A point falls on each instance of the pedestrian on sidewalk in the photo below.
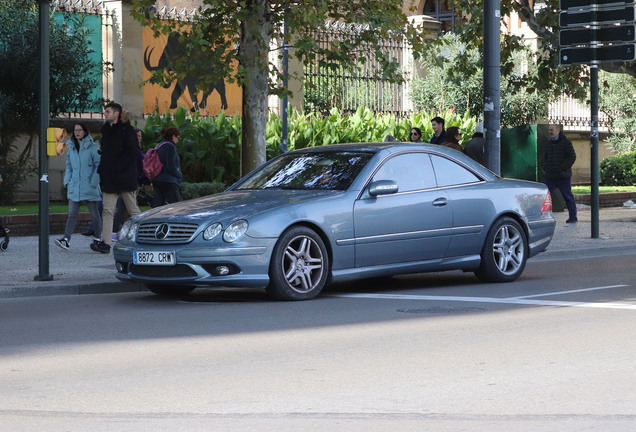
(117, 170)
(452, 138)
(81, 181)
(416, 135)
(475, 147)
(143, 197)
(557, 167)
(439, 133)
(166, 184)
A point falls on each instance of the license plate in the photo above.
(164, 258)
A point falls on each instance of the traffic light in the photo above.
(55, 141)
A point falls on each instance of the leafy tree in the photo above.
(544, 22)
(72, 80)
(239, 32)
(454, 80)
(617, 99)
(616, 80)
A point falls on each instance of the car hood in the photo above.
(231, 205)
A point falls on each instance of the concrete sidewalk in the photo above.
(82, 271)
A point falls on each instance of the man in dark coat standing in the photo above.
(557, 166)
(117, 171)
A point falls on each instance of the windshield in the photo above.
(315, 170)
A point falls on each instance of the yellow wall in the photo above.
(157, 97)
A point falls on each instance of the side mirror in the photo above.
(383, 187)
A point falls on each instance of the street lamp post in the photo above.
(492, 56)
(283, 142)
(43, 274)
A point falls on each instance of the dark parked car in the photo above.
(335, 213)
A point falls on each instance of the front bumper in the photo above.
(231, 266)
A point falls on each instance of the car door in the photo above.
(470, 201)
(411, 225)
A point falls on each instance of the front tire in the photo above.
(299, 265)
(170, 290)
(505, 252)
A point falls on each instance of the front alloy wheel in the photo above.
(299, 265)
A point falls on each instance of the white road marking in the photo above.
(510, 300)
(572, 291)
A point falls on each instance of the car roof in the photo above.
(373, 147)
(395, 147)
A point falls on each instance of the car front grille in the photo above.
(166, 232)
(180, 270)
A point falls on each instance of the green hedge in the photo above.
(210, 147)
(196, 190)
(619, 170)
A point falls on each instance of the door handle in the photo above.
(440, 202)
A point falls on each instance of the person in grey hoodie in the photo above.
(81, 181)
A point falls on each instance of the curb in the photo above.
(568, 254)
(42, 289)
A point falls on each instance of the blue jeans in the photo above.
(73, 211)
(564, 185)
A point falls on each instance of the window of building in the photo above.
(440, 10)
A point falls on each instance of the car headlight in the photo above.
(128, 230)
(212, 231)
(235, 231)
(133, 231)
(125, 228)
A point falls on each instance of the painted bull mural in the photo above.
(175, 49)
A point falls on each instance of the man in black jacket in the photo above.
(117, 171)
(439, 133)
(557, 166)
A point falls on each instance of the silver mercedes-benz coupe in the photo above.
(327, 214)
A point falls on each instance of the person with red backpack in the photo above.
(166, 183)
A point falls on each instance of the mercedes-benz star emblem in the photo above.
(162, 231)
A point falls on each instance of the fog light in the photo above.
(222, 270)
(120, 268)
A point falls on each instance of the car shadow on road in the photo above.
(427, 281)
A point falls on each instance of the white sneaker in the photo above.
(63, 243)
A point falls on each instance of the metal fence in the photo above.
(347, 89)
(575, 116)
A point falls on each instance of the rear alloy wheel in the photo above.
(170, 290)
(299, 265)
(505, 252)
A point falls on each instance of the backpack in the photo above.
(152, 163)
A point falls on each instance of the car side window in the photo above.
(411, 171)
(449, 173)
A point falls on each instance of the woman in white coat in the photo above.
(81, 181)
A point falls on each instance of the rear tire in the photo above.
(299, 265)
(505, 252)
(170, 290)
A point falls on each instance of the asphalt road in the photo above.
(436, 352)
